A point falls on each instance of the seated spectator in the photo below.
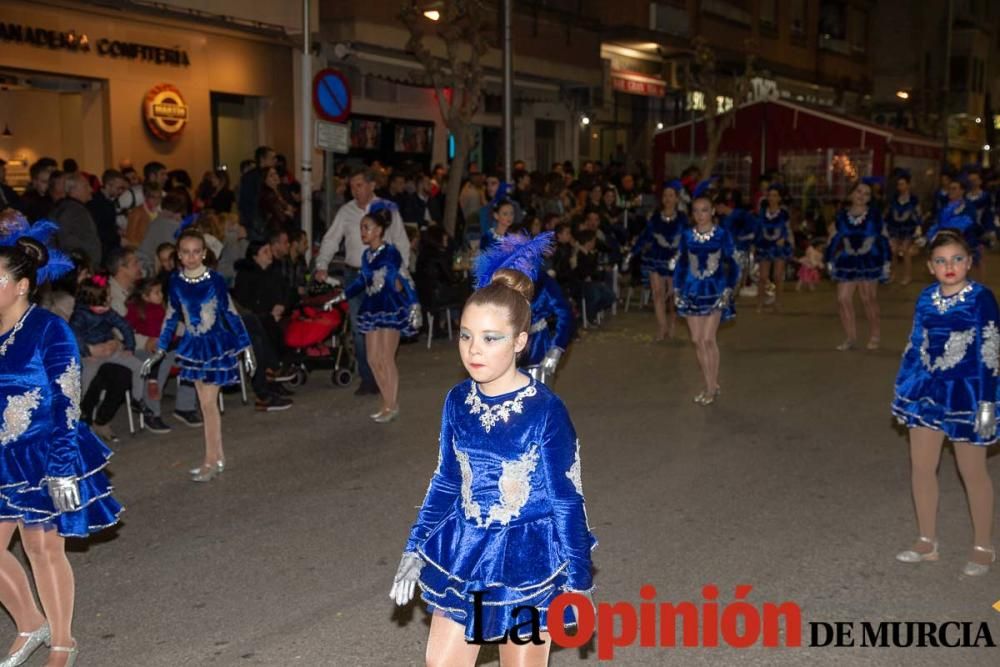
(95, 324)
(257, 290)
(234, 247)
(163, 229)
(142, 215)
(593, 290)
(437, 284)
(36, 201)
(297, 248)
(213, 229)
(562, 259)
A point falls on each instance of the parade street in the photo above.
(796, 482)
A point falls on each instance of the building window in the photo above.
(857, 30)
(769, 17)
(959, 73)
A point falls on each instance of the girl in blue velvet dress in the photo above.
(547, 342)
(390, 308)
(859, 258)
(773, 244)
(504, 513)
(210, 349)
(51, 480)
(657, 247)
(704, 282)
(947, 388)
(902, 217)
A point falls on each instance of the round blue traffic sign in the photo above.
(331, 96)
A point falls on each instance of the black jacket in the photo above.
(257, 290)
(105, 216)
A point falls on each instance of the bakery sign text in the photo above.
(81, 43)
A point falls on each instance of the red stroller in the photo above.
(319, 339)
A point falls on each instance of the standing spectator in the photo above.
(214, 192)
(162, 229)
(152, 172)
(36, 202)
(346, 228)
(471, 199)
(104, 211)
(8, 198)
(143, 214)
(77, 230)
(274, 211)
(249, 193)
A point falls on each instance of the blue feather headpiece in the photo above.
(516, 252)
(185, 223)
(702, 188)
(381, 205)
(501, 194)
(14, 226)
(674, 185)
(873, 180)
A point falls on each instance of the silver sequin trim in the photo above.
(69, 384)
(990, 350)
(662, 241)
(470, 506)
(515, 488)
(954, 350)
(206, 317)
(574, 471)
(378, 282)
(17, 414)
(489, 415)
(865, 248)
(702, 237)
(711, 264)
(944, 303)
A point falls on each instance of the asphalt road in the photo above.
(795, 482)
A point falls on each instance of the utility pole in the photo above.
(508, 95)
(305, 177)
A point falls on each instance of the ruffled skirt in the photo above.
(902, 231)
(703, 297)
(513, 566)
(24, 495)
(659, 260)
(213, 358)
(388, 309)
(942, 404)
(857, 268)
(770, 252)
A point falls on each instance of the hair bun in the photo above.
(516, 281)
(35, 251)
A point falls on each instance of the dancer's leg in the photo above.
(697, 326)
(658, 288)
(845, 306)
(46, 551)
(868, 290)
(389, 344)
(15, 590)
(712, 349)
(905, 246)
(763, 278)
(925, 454)
(526, 655)
(979, 490)
(894, 245)
(671, 308)
(373, 348)
(446, 645)
(208, 397)
(779, 281)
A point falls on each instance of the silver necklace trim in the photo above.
(855, 221)
(14, 330)
(489, 415)
(701, 237)
(197, 279)
(944, 303)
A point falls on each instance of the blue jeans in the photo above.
(364, 370)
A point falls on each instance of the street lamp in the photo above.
(659, 126)
(979, 120)
(585, 120)
(902, 94)
(433, 15)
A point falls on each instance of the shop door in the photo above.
(235, 130)
(545, 143)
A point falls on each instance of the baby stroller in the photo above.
(319, 339)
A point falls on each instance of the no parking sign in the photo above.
(331, 96)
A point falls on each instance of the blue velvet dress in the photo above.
(859, 249)
(548, 304)
(984, 213)
(214, 334)
(903, 218)
(706, 269)
(657, 245)
(383, 306)
(504, 512)
(951, 362)
(962, 220)
(773, 241)
(42, 435)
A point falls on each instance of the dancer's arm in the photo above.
(560, 457)
(62, 370)
(988, 349)
(444, 487)
(172, 318)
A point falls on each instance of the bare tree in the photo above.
(457, 78)
(704, 76)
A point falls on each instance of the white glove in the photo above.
(587, 594)
(328, 306)
(416, 316)
(551, 360)
(626, 263)
(404, 584)
(249, 361)
(147, 366)
(986, 420)
(64, 492)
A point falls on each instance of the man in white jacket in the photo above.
(346, 228)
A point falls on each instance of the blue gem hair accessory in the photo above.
(674, 185)
(501, 195)
(381, 205)
(14, 226)
(185, 223)
(514, 251)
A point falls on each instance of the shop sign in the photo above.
(635, 83)
(80, 43)
(165, 112)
